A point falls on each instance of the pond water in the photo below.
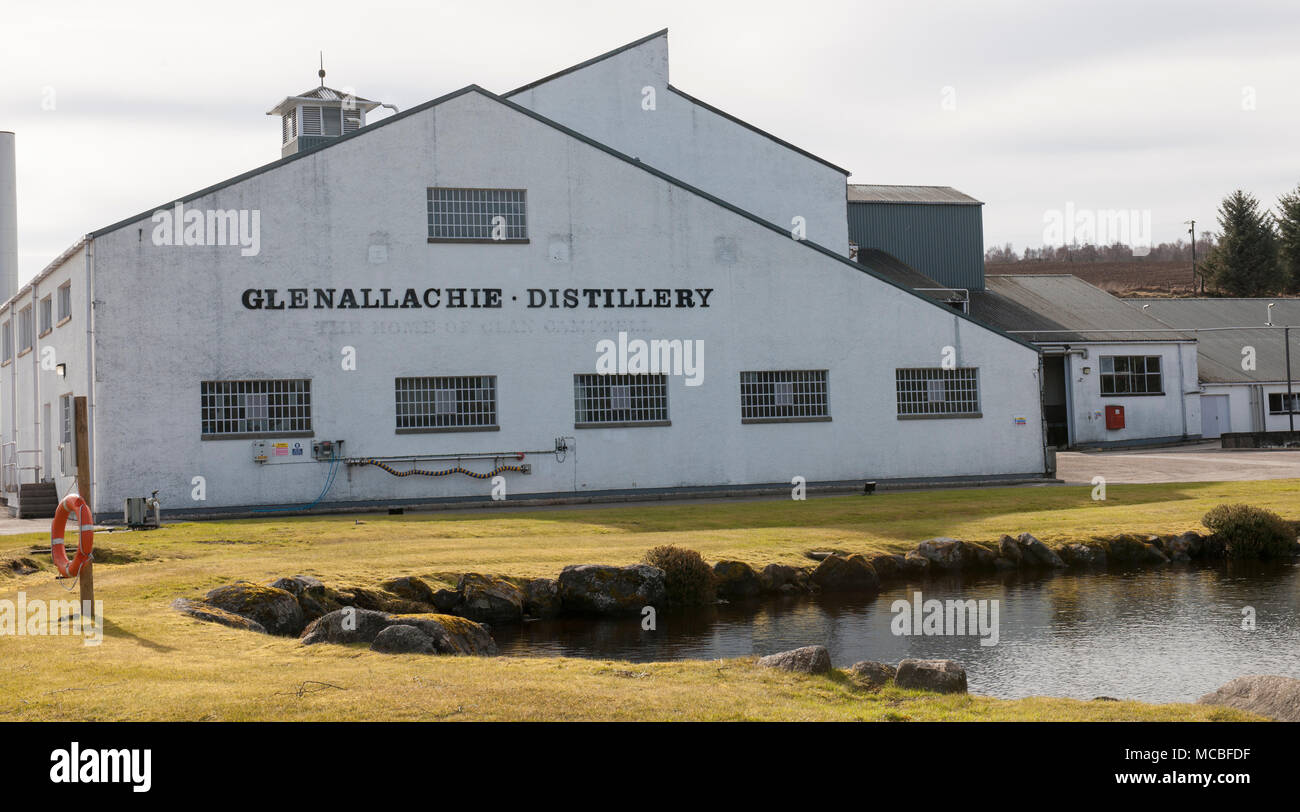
(1158, 635)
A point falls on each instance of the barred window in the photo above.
(232, 409)
(65, 301)
(462, 403)
(474, 215)
(620, 400)
(783, 395)
(1131, 375)
(936, 392)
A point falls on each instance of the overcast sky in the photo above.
(1161, 106)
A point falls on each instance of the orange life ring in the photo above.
(85, 544)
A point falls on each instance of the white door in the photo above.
(1214, 416)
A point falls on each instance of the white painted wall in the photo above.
(604, 101)
(1146, 416)
(170, 317)
(26, 387)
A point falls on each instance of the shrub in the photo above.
(1251, 532)
(688, 579)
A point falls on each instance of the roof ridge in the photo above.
(861, 268)
(585, 63)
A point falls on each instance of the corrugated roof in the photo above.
(1219, 352)
(1052, 308)
(925, 195)
(321, 93)
(891, 267)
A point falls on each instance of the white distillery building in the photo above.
(430, 291)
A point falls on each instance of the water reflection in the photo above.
(1158, 635)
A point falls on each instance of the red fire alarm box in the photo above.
(1114, 417)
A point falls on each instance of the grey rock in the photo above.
(608, 590)
(1082, 555)
(276, 610)
(489, 599)
(872, 673)
(409, 587)
(211, 614)
(775, 577)
(736, 580)
(941, 676)
(1010, 550)
(1034, 553)
(889, 567)
(445, 600)
(347, 625)
(402, 639)
(542, 597)
(915, 565)
(806, 660)
(1271, 696)
(837, 573)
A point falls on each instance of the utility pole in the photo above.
(1192, 231)
(1290, 405)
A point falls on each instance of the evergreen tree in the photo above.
(1245, 262)
(1288, 226)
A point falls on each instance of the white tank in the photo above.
(8, 218)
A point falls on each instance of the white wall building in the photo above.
(432, 290)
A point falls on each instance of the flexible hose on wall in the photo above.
(444, 472)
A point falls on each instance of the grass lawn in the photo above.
(157, 664)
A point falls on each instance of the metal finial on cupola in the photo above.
(321, 72)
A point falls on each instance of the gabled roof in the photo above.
(1219, 350)
(890, 266)
(921, 195)
(1059, 308)
(321, 94)
(663, 33)
(364, 131)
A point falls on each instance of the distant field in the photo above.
(1136, 278)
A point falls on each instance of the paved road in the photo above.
(1198, 462)
(9, 527)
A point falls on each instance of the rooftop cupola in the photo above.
(310, 119)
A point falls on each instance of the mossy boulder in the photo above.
(1034, 553)
(410, 588)
(18, 566)
(211, 614)
(806, 660)
(380, 600)
(1128, 548)
(736, 580)
(276, 610)
(782, 578)
(940, 676)
(402, 639)
(607, 590)
(889, 567)
(915, 565)
(314, 597)
(838, 573)
(448, 634)
(542, 597)
(872, 673)
(951, 555)
(489, 599)
(1083, 555)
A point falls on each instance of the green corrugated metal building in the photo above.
(936, 230)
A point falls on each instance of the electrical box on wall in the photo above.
(1114, 417)
(259, 451)
(327, 450)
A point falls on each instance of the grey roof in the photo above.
(322, 93)
(891, 267)
(1055, 308)
(925, 195)
(1219, 352)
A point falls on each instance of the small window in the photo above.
(351, 120)
(25, 337)
(459, 403)
(620, 400)
(937, 392)
(47, 315)
(8, 349)
(784, 396)
(65, 419)
(1131, 375)
(234, 409)
(1278, 401)
(332, 118)
(65, 302)
(478, 215)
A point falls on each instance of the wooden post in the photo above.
(82, 433)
